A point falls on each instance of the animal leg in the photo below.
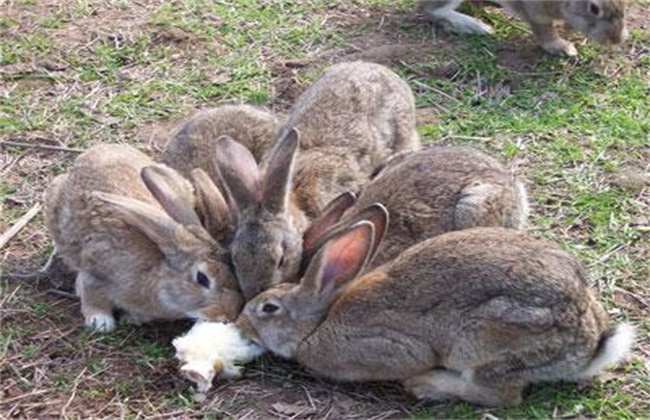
(441, 384)
(445, 12)
(96, 308)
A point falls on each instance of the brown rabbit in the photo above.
(437, 190)
(351, 119)
(602, 20)
(148, 256)
(475, 314)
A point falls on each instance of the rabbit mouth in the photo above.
(246, 328)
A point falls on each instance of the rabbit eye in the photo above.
(270, 308)
(202, 279)
(594, 9)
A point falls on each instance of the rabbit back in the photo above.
(441, 189)
(363, 107)
(72, 211)
(193, 143)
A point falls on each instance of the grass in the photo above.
(79, 73)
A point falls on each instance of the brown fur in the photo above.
(193, 143)
(350, 120)
(130, 253)
(440, 189)
(475, 314)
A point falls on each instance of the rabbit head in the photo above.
(267, 246)
(282, 317)
(194, 277)
(602, 20)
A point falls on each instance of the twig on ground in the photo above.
(57, 292)
(435, 90)
(459, 137)
(75, 386)
(34, 275)
(634, 296)
(23, 396)
(21, 223)
(10, 143)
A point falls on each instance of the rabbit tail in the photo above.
(614, 344)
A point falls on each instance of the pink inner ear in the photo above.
(346, 256)
(328, 218)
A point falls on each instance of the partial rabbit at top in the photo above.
(429, 192)
(193, 144)
(475, 314)
(348, 122)
(602, 20)
(148, 256)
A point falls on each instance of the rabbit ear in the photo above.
(376, 214)
(166, 185)
(277, 174)
(239, 170)
(340, 260)
(150, 220)
(212, 206)
(326, 220)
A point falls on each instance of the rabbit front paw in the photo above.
(560, 47)
(424, 388)
(101, 322)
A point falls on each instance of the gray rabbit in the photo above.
(602, 20)
(128, 226)
(475, 314)
(427, 193)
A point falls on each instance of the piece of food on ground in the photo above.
(211, 349)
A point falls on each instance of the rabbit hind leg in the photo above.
(443, 11)
(96, 308)
(439, 384)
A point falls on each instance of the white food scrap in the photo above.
(211, 348)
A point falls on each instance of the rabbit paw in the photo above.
(453, 21)
(101, 322)
(560, 47)
(423, 388)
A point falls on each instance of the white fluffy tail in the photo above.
(616, 344)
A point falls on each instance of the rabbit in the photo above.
(128, 227)
(475, 314)
(601, 20)
(342, 127)
(193, 143)
(350, 121)
(436, 190)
